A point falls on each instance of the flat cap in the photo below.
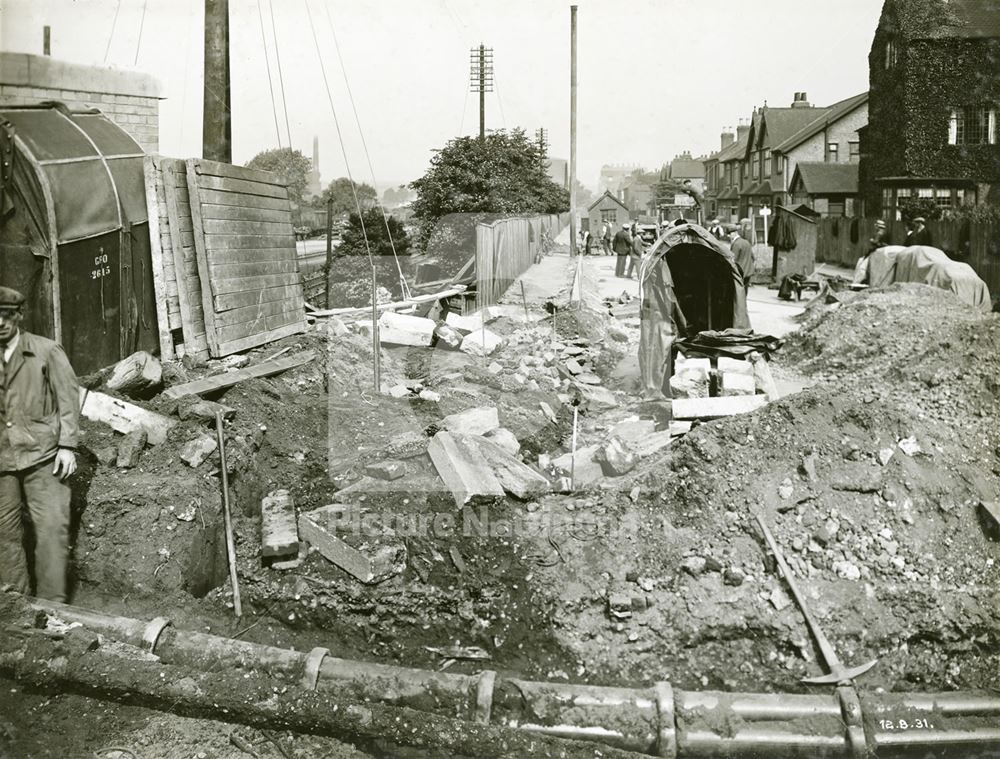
(10, 298)
(920, 220)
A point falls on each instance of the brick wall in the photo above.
(129, 98)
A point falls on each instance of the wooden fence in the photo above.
(843, 241)
(506, 248)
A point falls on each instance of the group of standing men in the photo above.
(629, 248)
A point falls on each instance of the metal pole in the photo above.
(572, 131)
(482, 92)
(46, 40)
(376, 347)
(227, 517)
(216, 132)
(329, 250)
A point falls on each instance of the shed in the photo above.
(74, 234)
(607, 208)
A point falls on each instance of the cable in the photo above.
(270, 81)
(114, 23)
(461, 128)
(281, 78)
(404, 288)
(340, 137)
(138, 42)
(496, 89)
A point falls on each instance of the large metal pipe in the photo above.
(657, 720)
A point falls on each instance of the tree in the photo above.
(472, 180)
(339, 191)
(351, 281)
(293, 167)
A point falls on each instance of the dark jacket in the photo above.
(623, 243)
(39, 404)
(923, 237)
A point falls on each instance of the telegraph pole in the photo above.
(572, 130)
(541, 136)
(481, 80)
(216, 131)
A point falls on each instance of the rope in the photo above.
(114, 23)
(270, 81)
(281, 78)
(340, 138)
(404, 288)
(138, 42)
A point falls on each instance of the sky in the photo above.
(655, 77)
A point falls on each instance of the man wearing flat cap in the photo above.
(39, 428)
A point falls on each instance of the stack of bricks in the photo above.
(129, 98)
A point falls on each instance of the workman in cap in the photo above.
(39, 429)
(622, 246)
(742, 251)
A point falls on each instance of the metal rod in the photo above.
(524, 300)
(329, 250)
(376, 347)
(227, 517)
(572, 460)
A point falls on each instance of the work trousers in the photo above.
(633, 264)
(620, 264)
(48, 505)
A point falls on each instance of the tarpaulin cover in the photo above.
(689, 283)
(77, 153)
(929, 266)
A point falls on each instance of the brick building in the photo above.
(129, 98)
(934, 105)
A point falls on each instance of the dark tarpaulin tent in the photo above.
(74, 232)
(689, 283)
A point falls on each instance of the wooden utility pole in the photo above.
(481, 80)
(572, 130)
(216, 131)
(329, 245)
(46, 40)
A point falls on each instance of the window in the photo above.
(609, 216)
(779, 163)
(854, 151)
(767, 163)
(832, 149)
(755, 166)
(972, 125)
(729, 175)
(836, 208)
(942, 197)
(925, 193)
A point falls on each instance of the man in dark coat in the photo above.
(635, 256)
(39, 429)
(918, 234)
(743, 253)
(622, 246)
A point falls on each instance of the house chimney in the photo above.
(728, 138)
(800, 101)
(741, 129)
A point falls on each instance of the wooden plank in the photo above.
(150, 171)
(253, 341)
(228, 379)
(254, 282)
(247, 255)
(762, 372)
(370, 560)
(244, 213)
(254, 268)
(231, 241)
(241, 186)
(239, 300)
(222, 198)
(123, 416)
(192, 325)
(202, 257)
(351, 311)
(244, 227)
(716, 408)
(264, 323)
(206, 167)
(249, 313)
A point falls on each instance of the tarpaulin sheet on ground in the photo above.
(689, 284)
(929, 266)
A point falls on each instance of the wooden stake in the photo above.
(572, 460)
(524, 300)
(228, 518)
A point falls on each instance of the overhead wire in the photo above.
(270, 79)
(340, 136)
(281, 78)
(404, 287)
(138, 42)
(114, 24)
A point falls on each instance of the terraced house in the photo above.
(935, 96)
